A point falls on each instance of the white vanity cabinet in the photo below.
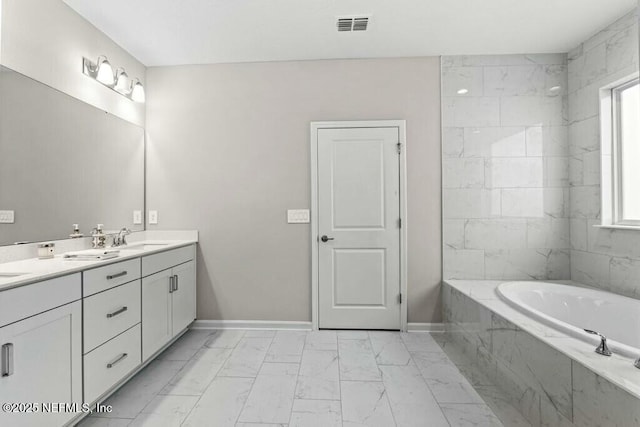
(41, 355)
(168, 297)
(111, 320)
(74, 339)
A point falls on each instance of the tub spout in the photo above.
(603, 348)
(637, 363)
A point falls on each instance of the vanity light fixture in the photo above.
(101, 70)
(119, 81)
(463, 91)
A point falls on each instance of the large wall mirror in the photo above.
(64, 162)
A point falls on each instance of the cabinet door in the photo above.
(184, 296)
(156, 312)
(42, 363)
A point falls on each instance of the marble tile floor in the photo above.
(293, 378)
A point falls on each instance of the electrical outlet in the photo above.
(298, 216)
(7, 217)
(153, 217)
(137, 217)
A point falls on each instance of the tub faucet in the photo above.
(603, 348)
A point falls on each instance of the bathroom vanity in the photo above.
(74, 331)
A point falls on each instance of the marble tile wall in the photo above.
(547, 387)
(505, 167)
(609, 259)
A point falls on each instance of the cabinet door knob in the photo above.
(171, 284)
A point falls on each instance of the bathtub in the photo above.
(571, 309)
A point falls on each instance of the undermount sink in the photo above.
(143, 246)
(10, 275)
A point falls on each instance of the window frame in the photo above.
(617, 151)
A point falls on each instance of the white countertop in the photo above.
(617, 369)
(35, 270)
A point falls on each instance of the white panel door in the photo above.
(359, 230)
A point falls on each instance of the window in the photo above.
(627, 150)
(620, 129)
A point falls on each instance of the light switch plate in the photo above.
(153, 217)
(7, 217)
(298, 216)
(137, 217)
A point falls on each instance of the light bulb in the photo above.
(122, 81)
(137, 91)
(104, 73)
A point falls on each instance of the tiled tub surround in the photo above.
(604, 258)
(505, 167)
(553, 379)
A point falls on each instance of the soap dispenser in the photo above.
(99, 238)
(76, 232)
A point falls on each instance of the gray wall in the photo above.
(606, 258)
(228, 154)
(505, 167)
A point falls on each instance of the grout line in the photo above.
(340, 378)
(384, 386)
(295, 389)
(428, 387)
(244, 404)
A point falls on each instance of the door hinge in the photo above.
(399, 222)
(399, 147)
(400, 298)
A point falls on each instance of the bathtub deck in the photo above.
(554, 379)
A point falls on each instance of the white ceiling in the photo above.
(172, 32)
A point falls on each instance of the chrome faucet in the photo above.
(120, 238)
(603, 348)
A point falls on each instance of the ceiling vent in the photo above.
(352, 23)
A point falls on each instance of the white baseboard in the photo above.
(251, 324)
(426, 327)
(293, 326)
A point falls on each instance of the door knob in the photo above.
(326, 239)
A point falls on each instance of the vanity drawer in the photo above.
(108, 364)
(109, 313)
(161, 261)
(28, 300)
(103, 278)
